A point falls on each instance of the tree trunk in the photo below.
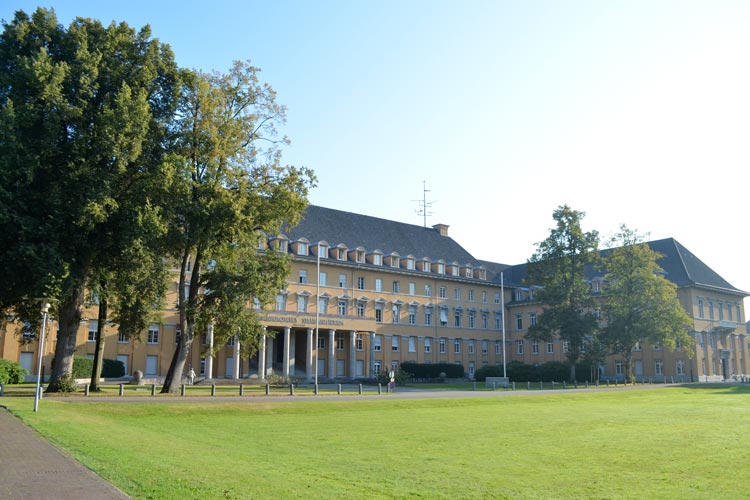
(173, 379)
(69, 319)
(96, 371)
(628, 368)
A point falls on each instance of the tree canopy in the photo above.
(558, 268)
(85, 117)
(641, 304)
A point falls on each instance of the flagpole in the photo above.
(317, 319)
(502, 301)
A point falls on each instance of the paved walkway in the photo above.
(32, 468)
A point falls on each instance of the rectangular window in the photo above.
(396, 287)
(442, 346)
(340, 342)
(534, 347)
(532, 319)
(659, 367)
(519, 321)
(360, 309)
(321, 342)
(394, 343)
(484, 297)
(361, 283)
(412, 344)
(378, 285)
(566, 346)
(720, 307)
(457, 346)
(700, 308)
(550, 348)
(93, 325)
(498, 321)
(323, 279)
(412, 315)
(497, 298)
(519, 346)
(619, 368)
(360, 342)
(342, 307)
(153, 334)
(396, 313)
(472, 319)
(729, 311)
(342, 280)
(471, 295)
(428, 291)
(471, 347)
(302, 276)
(442, 292)
(177, 335)
(281, 302)
(412, 289)
(710, 309)
(377, 368)
(427, 345)
(497, 348)
(302, 303)
(443, 316)
(680, 367)
(377, 346)
(457, 293)
(377, 259)
(457, 319)
(121, 338)
(323, 305)
(152, 365)
(378, 314)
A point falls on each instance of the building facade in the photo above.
(365, 295)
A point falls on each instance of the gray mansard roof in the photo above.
(681, 266)
(371, 233)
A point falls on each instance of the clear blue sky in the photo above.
(634, 112)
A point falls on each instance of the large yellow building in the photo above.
(376, 293)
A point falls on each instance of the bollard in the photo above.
(528, 386)
(493, 385)
(380, 389)
(475, 385)
(316, 389)
(85, 390)
(587, 384)
(553, 385)
(242, 389)
(339, 389)
(514, 386)
(213, 389)
(291, 389)
(575, 384)
(360, 389)
(268, 389)
(541, 385)
(122, 389)
(607, 382)
(615, 382)
(2, 389)
(565, 386)
(153, 389)
(182, 390)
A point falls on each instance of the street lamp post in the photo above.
(45, 310)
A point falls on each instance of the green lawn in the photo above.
(679, 443)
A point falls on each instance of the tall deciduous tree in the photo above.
(559, 267)
(229, 192)
(84, 124)
(641, 304)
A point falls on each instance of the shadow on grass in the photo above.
(728, 387)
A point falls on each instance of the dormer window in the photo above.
(469, 272)
(377, 259)
(596, 286)
(321, 250)
(357, 255)
(340, 252)
(454, 270)
(394, 260)
(519, 295)
(426, 265)
(302, 249)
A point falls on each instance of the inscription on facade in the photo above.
(305, 320)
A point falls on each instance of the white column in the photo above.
(352, 354)
(269, 358)
(309, 354)
(292, 353)
(286, 352)
(209, 353)
(262, 356)
(371, 366)
(331, 372)
(236, 356)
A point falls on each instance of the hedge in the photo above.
(11, 372)
(433, 370)
(521, 372)
(111, 368)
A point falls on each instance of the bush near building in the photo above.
(521, 372)
(433, 370)
(11, 372)
(111, 368)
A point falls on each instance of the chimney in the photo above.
(441, 228)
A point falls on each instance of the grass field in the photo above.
(681, 443)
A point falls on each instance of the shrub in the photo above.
(11, 372)
(488, 371)
(554, 370)
(67, 384)
(432, 370)
(83, 367)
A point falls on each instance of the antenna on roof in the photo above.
(424, 205)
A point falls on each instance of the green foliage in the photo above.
(83, 366)
(641, 304)
(551, 371)
(481, 374)
(559, 267)
(432, 370)
(11, 372)
(67, 384)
